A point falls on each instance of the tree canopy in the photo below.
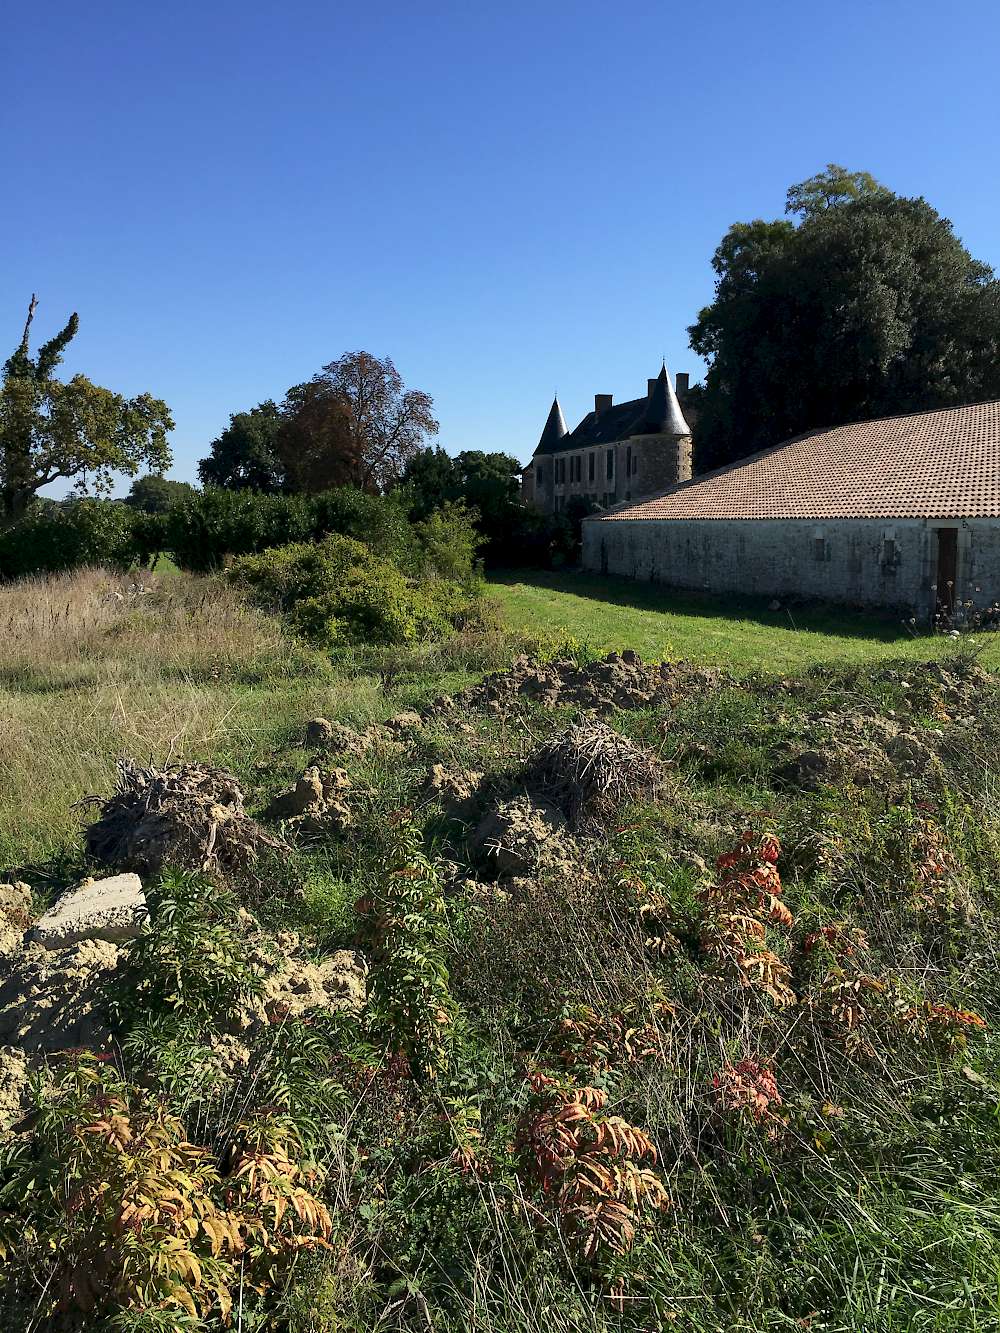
(352, 424)
(78, 431)
(154, 494)
(870, 306)
(244, 456)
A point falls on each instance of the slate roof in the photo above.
(664, 414)
(939, 464)
(554, 429)
(615, 423)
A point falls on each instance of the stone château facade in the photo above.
(617, 453)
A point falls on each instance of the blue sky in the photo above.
(506, 199)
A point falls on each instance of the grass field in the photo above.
(608, 613)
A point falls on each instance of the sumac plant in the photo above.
(595, 1170)
(736, 913)
(404, 929)
(133, 1216)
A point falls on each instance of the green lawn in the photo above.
(608, 613)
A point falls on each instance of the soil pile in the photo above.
(456, 789)
(520, 836)
(315, 804)
(618, 681)
(336, 738)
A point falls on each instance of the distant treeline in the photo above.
(202, 530)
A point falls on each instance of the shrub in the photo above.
(206, 528)
(189, 960)
(203, 530)
(53, 538)
(449, 541)
(336, 591)
(404, 927)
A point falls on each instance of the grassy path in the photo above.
(610, 613)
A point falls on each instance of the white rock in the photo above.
(105, 909)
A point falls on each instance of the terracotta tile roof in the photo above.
(939, 464)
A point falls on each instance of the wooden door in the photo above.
(947, 567)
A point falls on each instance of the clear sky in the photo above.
(504, 198)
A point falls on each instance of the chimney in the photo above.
(683, 379)
(602, 401)
(650, 386)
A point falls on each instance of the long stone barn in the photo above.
(902, 512)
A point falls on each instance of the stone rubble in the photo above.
(112, 909)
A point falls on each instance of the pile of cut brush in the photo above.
(590, 766)
(189, 816)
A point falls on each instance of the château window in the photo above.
(628, 461)
(611, 464)
(590, 467)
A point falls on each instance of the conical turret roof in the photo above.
(664, 415)
(555, 429)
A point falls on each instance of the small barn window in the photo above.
(819, 544)
(889, 547)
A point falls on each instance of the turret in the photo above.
(664, 415)
(555, 429)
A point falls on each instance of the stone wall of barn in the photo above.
(861, 562)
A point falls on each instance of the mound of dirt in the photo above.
(336, 738)
(53, 999)
(15, 917)
(858, 746)
(456, 789)
(589, 766)
(14, 1066)
(293, 985)
(188, 816)
(315, 804)
(519, 836)
(403, 724)
(618, 681)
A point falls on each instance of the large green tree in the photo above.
(868, 306)
(244, 456)
(76, 431)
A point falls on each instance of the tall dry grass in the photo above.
(94, 666)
